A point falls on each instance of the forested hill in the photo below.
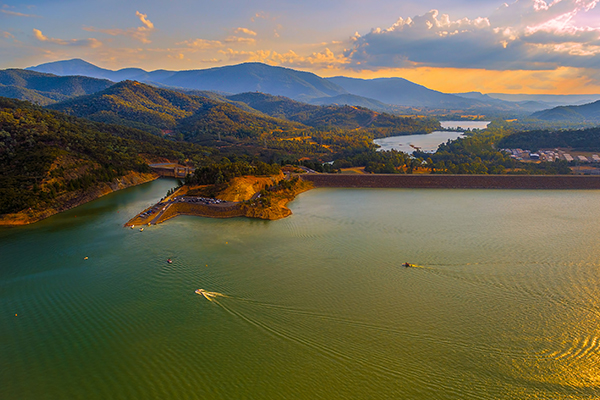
(45, 155)
(342, 117)
(195, 118)
(46, 89)
(576, 139)
(584, 113)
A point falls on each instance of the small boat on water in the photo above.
(132, 226)
(141, 229)
(169, 261)
(408, 265)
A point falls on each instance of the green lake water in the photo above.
(505, 303)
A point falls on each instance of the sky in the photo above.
(523, 46)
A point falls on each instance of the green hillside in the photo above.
(46, 89)
(44, 154)
(277, 129)
(333, 116)
(217, 97)
(223, 120)
(194, 118)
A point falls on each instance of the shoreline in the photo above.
(72, 200)
(247, 203)
(280, 210)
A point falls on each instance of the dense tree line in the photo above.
(224, 171)
(576, 139)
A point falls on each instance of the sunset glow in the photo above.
(527, 46)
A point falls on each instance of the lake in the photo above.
(503, 303)
(428, 142)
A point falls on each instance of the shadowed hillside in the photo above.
(333, 116)
(46, 88)
(584, 113)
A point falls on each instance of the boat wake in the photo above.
(210, 296)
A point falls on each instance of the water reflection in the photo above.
(428, 142)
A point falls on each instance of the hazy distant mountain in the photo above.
(525, 106)
(401, 92)
(84, 68)
(480, 97)
(72, 67)
(45, 88)
(382, 94)
(550, 100)
(248, 77)
(583, 113)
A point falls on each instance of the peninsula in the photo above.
(262, 197)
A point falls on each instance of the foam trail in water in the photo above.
(210, 296)
(322, 347)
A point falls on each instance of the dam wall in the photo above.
(434, 181)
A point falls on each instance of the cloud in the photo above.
(262, 15)
(91, 42)
(325, 59)
(144, 18)
(202, 44)
(237, 39)
(8, 35)
(244, 31)
(527, 35)
(18, 14)
(140, 33)
(179, 56)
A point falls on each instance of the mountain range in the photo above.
(59, 81)
(203, 120)
(382, 94)
(248, 77)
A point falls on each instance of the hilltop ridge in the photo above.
(383, 94)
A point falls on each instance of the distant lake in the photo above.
(428, 142)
